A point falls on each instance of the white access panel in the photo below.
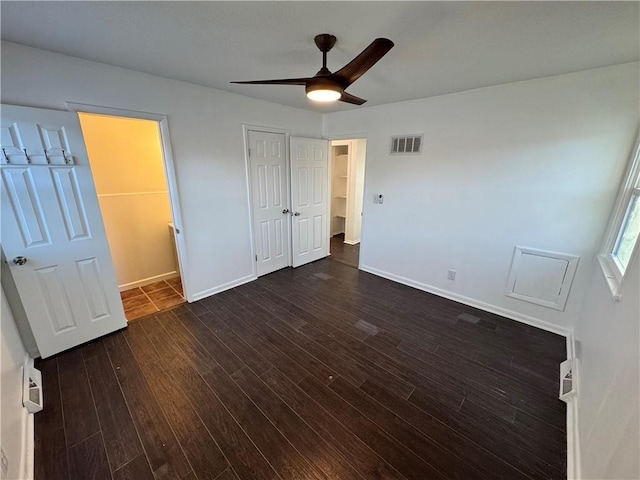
(541, 277)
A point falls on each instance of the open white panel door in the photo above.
(309, 199)
(52, 232)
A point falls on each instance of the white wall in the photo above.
(608, 341)
(206, 139)
(16, 421)
(533, 164)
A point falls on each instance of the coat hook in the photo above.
(6, 158)
(46, 155)
(26, 155)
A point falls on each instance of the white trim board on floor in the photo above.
(148, 280)
(223, 287)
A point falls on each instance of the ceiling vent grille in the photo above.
(406, 144)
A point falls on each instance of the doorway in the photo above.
(128, 167)
(348, 158)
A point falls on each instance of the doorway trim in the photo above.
(246, 127)
(365, 193)
(169, 169)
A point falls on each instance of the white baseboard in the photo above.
(573, 434)
(354, 242)
(147, 281)
(223, 287)
(519, 317)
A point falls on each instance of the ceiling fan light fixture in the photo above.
(323, 95)
(323, 91)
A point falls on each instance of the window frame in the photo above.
(629, 188)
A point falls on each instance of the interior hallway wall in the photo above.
(127, 165)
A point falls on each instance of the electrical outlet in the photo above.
(4, 463)
(451, 275)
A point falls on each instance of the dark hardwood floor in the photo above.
(322, 372)
(344, 253)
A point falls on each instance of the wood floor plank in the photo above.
(521, 433)
(277, 450)
(228, 474)
(283, 457)
(349, 370)
(120, 436)
(222, 354)
(88, 459)
(306, 441)
(407, 463)
(352, 448)
(162, 449)
(471, 452)
(393, 383)
(250, 335)
(80, 418)
(447, 463)
(484, 432)
(206, 459)
(136, 469)
(241, 452)
(442, 377)
(50, 441)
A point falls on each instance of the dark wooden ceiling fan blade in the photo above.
(348, 98)
(363, 62)
(284, 81)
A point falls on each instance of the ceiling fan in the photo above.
(328, 87)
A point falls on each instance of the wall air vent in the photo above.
(406, 144)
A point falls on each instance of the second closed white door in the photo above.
(309, 199)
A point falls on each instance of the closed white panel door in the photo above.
(52, 232)
(271, 224)
(309, 199)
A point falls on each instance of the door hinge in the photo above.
(256, 258)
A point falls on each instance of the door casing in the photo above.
(169, 169)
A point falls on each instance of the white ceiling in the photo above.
(441, 47)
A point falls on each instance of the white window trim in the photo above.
(610, 267)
